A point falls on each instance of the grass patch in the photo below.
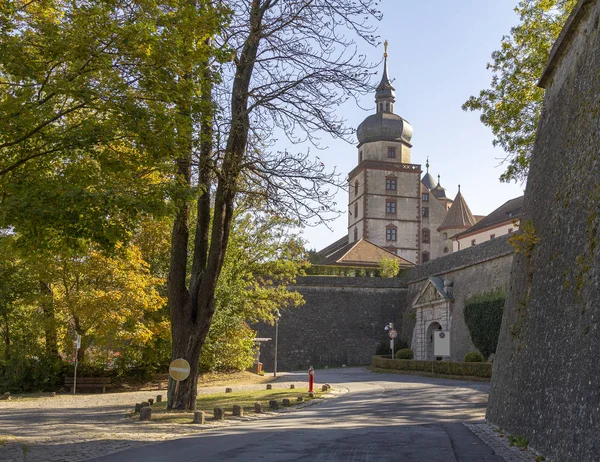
(427, 374)
(246, 399)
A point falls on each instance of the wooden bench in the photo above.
(89, 382)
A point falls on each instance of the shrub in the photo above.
(483, 317)
(405, 353)
(439, 367)
(474, 357)
(384, 347)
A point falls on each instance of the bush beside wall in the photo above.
(483, 317)
(439, 367)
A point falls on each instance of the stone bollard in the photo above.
(258, 408)
(159, 398)
(145, 404)
(299, 399)
(138, 407)
(145, 413)
(292, 386)
(199, 417)
(5, 396)
(219, 413)
(228, 390)
(269, 386)
(324, 388)
(311, 394)
(286, 401)
(273, 404)
(151, 401)
(238, 410)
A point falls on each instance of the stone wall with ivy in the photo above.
(546, 386)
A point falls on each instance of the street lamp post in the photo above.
(277, 316)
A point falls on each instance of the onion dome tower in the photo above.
(385, 188)
(384, 125)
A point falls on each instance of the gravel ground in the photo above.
(74, 428)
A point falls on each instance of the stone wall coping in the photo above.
(348, 281)
(491, 250)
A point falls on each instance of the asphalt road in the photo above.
(383, 417)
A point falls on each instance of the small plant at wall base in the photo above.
(474, 357)
(483, 316)
(404, 353)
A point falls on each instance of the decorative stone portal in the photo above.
(432, 309)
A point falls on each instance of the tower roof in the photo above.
(459, 216)
(384, 125)
(439, 192)
(428, 180)
(385, 90)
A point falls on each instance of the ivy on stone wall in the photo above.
(483, 316)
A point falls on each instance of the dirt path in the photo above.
(75, 428)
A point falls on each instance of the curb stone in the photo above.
(501, 446)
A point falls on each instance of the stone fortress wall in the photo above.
(343, 319)
(546, 373)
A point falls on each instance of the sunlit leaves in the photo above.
(511, 106)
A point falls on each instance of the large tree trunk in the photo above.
(6, 336)
(192, 310)
(47, 306)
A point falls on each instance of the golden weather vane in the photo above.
(385, 45)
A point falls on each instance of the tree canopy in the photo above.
(512, 105)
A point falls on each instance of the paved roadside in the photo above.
(71, 428)
(383, 417)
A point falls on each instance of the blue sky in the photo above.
(438, 50)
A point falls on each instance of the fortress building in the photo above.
(389, 204)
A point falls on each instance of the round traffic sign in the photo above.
(393, 333)
(179, 369)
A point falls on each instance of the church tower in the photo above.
(385, 188)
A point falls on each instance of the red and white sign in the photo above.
(393, 333)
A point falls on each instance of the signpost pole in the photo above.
(77, 346)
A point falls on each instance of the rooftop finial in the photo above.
(458, 188)
(385, 45)
(438, 180)
(427, 164)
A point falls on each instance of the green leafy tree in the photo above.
(389, 267)
(263, 258)
(512, 105)
(116, 108)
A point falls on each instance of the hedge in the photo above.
(439, 367)
(483, 317)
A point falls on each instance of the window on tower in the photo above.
(425, 257)
(390, 234)
(425, 212)
(356, 210)
(426, 235)
(425, 197)
(355, 234)
(360, 156)
(390, 184)
(391, 151)
(390, 206)
(356, 188)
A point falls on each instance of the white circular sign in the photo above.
(179, 369)
(393, 333)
